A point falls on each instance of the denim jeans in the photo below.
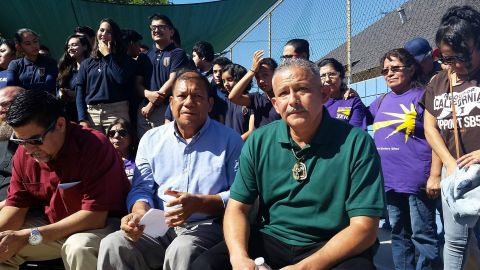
(457, 238)
(412, 218)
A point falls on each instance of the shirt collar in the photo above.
(170, 47)
(195, 137)
(207, 73)
(321, 136)
(28, 62)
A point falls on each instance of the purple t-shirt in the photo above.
(351, 111)
(400, 139)
(129, 168)
(263, 109)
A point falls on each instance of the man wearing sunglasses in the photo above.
(71, 178)
(7, 148)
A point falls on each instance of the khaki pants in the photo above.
(78, 251)
(155, 120)
(102, 115)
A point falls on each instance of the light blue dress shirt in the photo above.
(207, 165)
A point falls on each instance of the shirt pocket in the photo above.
(69, 198)
(211, 177)
(71, 192)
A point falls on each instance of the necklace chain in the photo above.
(299, 170)
(295, 155)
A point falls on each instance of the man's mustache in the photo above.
(295, 109)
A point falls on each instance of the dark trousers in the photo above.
(276, 254)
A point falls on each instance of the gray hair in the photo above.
(306, 65)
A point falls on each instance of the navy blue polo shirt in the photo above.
(143, 64)
(262, 108)
(237, 117)
(108, 79)
(72, 82)
(220, 105)
(38, 75)
(161, 64)
(6, 78)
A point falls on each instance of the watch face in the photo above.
(35, 237)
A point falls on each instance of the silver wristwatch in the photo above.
(35, 237)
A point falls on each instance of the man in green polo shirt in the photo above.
(319, 184)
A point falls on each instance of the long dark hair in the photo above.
(131, 132)
(68, 63)
(237, 72)
(459, 25)
(118, 46)
(408, 60)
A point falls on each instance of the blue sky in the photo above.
(322, 23)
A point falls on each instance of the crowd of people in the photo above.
(91, 145)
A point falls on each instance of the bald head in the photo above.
(10, 91)
(7, 94)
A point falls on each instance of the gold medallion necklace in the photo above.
(299, 170)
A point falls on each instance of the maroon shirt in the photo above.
(86, 157)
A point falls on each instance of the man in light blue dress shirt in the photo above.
(186, 168)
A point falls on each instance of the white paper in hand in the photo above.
(154, 222)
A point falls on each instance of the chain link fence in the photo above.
(376, 27)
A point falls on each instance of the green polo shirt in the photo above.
(344, 180)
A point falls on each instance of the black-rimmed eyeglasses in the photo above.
(159, 27)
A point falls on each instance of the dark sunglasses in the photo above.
(288, 56)
(394, 69)
(450, 60)
(121, 132)
(462, 58)
(36, 140)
